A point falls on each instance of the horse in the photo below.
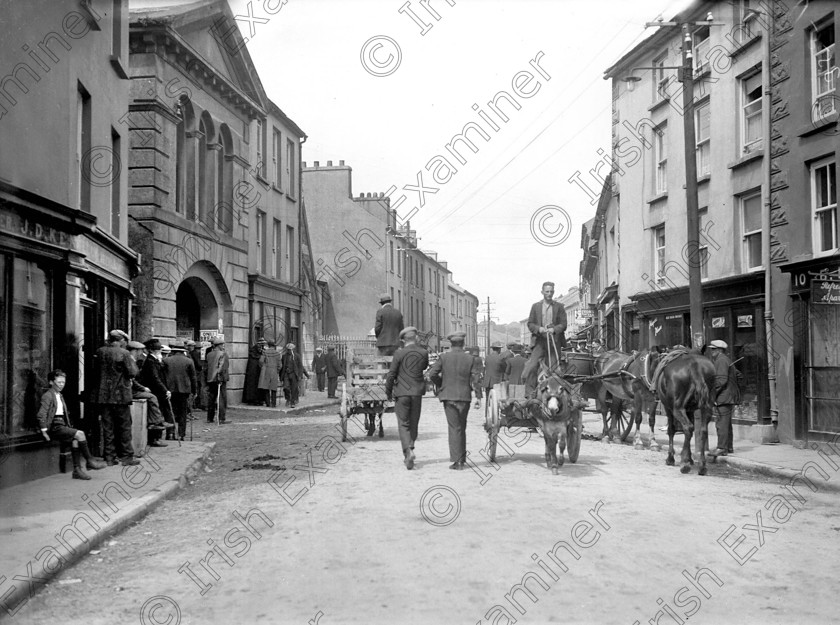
(552, 410)
(628, 383)
(684, 384)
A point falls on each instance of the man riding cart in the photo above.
(547, 323)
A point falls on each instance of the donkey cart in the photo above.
(366, 393)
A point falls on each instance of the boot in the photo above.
(274, 399)
(78, 471)
(92, 463)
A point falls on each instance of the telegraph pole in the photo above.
(487, 329)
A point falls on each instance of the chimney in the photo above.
(329, 163)
(341, 163)
(317, 164)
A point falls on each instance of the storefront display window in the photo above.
(825, 368)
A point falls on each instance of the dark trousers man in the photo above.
(723, 423)
(332, 384)
(116, 432)
(407, 410)
(321, 377)
(456, 417)
(180, 406)
(216, 398)
(532, 367)
(291, 390)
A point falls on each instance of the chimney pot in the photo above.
(329, 163)
(317, 164)
(341, 163)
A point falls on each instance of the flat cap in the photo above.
(719, 344)
(497, 344)
(319, 349)
(385, 297)
(409, 330)
(189, 343)
(290, 345)
(176, 346)
(261, 341)
(165, 349)
(117, 335)
(153, 345)
(217, 340)
(457, 336)
(135, 345)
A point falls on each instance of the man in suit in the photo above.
(456, 373)
(389, 324)
(155, 418)
(153, 376)
(334, 370)
(319, 366)
(195, 354)
(291, 372)
(182, 383)
(515, 366)
(406, 373)
(547, 322)
(115, 368)
(217, 376)
(494, 367)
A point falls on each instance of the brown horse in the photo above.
(553, 410)
(626, 380)
(684, 387)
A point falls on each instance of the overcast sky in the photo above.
(388, 127)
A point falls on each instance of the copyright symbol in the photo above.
(149, 611)
(440, 513)
(100, 166)
(370, 58)
(544, 232)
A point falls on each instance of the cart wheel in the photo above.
(625, 422)
(574, 430)
(342, 412)
(620, 422)
(494, 422)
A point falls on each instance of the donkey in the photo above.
(552, 410)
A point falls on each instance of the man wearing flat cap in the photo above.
(291, 372)
(457, 373)
(494, 368)
(406, 385)
(515, 365)
(195, 355)
(389, 324)
(726, 394)
(319, 366)
(115, 369)
(334, 369)
(547, 323)
(217, 375)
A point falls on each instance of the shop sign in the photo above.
(825, 292)
(13, 223)
(745, 321)
(718, 322)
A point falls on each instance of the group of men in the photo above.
(327, 367)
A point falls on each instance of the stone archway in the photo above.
(196, 309)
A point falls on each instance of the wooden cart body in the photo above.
(363, 392)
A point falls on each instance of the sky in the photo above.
(368, 87)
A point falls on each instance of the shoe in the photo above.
(729, 450)
(409, 460)
(111, 462)
(167, 424)
(718, 452)
(457, 466)
(210, 422)
(94, 464)
(156, 427)
(158, 444)
(79, 474)
(181, 439)
(224, 422)
(130, 462)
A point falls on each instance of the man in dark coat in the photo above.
(515, 366)
(405, 383)
(153, 376)
(334, 370)
(726, 394)
(251, 391)
(217, 374)
(154, 417)
(547, 322)
(182, 383)
(291, 372)
(195, 354)
(494, 367)
(319, 366)
(115, 369)
(389, 324)
(455, 373)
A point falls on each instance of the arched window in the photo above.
(225, 181)
(207, 169)
(184, 160)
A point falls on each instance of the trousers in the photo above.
(291, 389)
(116, 431)
(180, 405)
(321, 377)
(216, 399)
(724, 426)
(456, 418)
(332, 384)
(407, 410)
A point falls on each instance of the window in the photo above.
(399, 299)
(823, 66)
(399, 262)
(745, 17)
(180, 143)
(702, 248)
(702, 123)
(83, 147)
(391, 257)
(261, 241)
(115, 183)
(276, 257)
(277, 161)
(824, 201)
(751, 121)
(700, 49)
(659, 253)
(660, 147)
(290, 167)
(430, 282)
(392, 294)
(290, 254)
(260, 169)
(660, 79)
(751, 228)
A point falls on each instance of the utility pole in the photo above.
(487, 329)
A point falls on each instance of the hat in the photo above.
(385, 297)
(165, 349)
(718, 344)
(189, 343)
(135, 345)
(217, 340)
(290, 345)
(474, 350)
(457, 336)
(496, 344)
(261, 341)
(331, 348)
(176, 346)
(408, 330)
(319, 349)
(153, 345)
(516, 348)
(117, 335)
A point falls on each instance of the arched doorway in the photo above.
(196, 309)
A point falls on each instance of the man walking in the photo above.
(116, 368)
(319, 366)
(217, 377)
(406, 373)
(455, 373)
(333, 371)
(291, 372)
(182, 383)
(515, 366)
(389, 324)
(726, 394)
(546, 322)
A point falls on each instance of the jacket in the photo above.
(558, 323)
(114, 370)
(291, 366)
(455, 373)
(153, 376)
(270, 369)
(46, 413)
(514, 368)
(494, 370)
(406, 372)
(218, 365)
(726, 382)
(180, 374)
(389, 324)
(319, 363)
(334, 368)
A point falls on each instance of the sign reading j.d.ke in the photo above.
(825, 292)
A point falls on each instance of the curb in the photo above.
(20, 595)
(779, 472)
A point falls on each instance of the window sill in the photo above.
(119, 68)
(704, 179)
(658, 104)
(276, 188)
(749, 157)
(820, 125)
(291, 197)
(658, 198)
(262, 180)
(746, 45)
